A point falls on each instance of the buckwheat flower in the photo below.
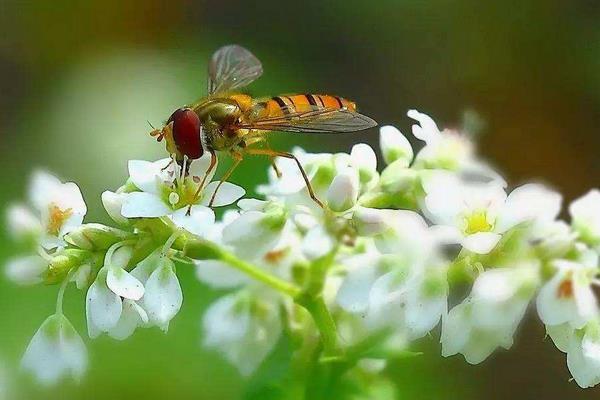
(568, 297)
(391, 291)
(60, 207)
(394, 146)
(443, 149)
(162, 193)
(163, 296)
(26, 270)
(489, 317)
(103, 307)
(585, 216)
(583, 355)
(477, 214)
(243, 327)
(56, 350)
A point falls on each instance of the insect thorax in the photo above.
(218, 118)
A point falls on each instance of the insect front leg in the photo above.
(237, 159)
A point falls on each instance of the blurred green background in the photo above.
(79, 80)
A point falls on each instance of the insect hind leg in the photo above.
(274, 153)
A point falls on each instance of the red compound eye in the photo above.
(187, 132)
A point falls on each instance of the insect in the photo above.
(229, 121)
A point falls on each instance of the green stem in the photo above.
(325, 324)
(260, 275)
(61, 291)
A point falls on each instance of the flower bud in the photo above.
(369, 221)
(113, 203)
(395, 146)
(94, 236)
(63, 263)
(343, 191)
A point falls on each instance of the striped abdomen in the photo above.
(281, 105)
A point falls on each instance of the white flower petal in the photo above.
(363, 157)
(585, 213)
(561, 335)
(395, 146)
(132, 316)
(42, 186)
(163, 297)
(456, 330)
(228, 193)
(26, 270)
(124, 284)
(353, 295)
(198, 167)
(197, 219)
(147, 175)
(220, 275)
(54, 351)
(113, 204)
(21, 221)
(553, 308)
(317, 243)
(253, 234)
(428, 130)
(481, 242)
(144, 205)
(103, 307)
(343, 191)
(530, 202)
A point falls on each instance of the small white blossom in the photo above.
(488, 318)
(163, 297)
(113, 204)
(476, 215)
(568, 297)
(243, 327)
(162, 193)
(56, 350)
(103, 306)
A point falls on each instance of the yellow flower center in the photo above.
(477, 222)
(57, 218)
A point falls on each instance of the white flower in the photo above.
(378, 287)
(488, 318)
(118, 279)
(568, 297)
(163, 297)
(59, 209)
(342, 194)
(395, 146)
(163, 194)
(477, 214)
(446, 150)
(583, 355)
(26, 270)
(243, 328)
(55, 350)
(103, 307)
(585, 215)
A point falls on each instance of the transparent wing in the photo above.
(232, 67)
(313, 120)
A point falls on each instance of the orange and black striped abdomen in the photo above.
(286, 104)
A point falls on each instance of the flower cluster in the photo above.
(434, 238)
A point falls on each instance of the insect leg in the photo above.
(211, 166)
(237, 159)
(274, 153)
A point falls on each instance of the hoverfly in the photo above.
(227, 120)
